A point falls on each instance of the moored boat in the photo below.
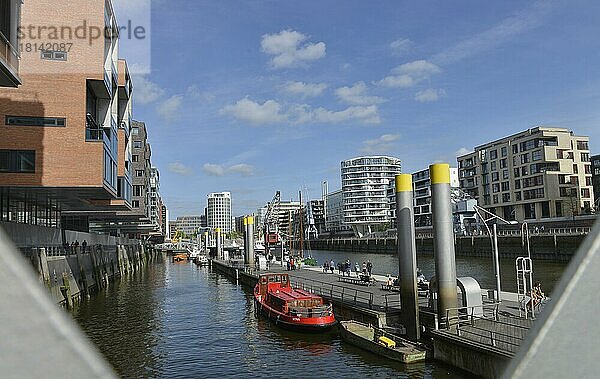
(289, 307)
(379, 342)
(180, 258)
(201, 260)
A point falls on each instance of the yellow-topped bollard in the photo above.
(250, 220)
(439, 173)
(443, 240)
(404, 183)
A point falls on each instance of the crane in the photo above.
(271, 222)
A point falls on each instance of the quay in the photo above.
(555, 245)
(481, 340)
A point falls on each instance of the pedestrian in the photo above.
(348, 267)
(325, 267)
(356, 268)
(369, 267)
(332, 266)
(340, 268)
(364, 268)
(83, 246)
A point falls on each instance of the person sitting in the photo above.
(537, 296)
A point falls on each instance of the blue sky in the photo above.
(257, 96)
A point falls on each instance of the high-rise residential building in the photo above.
(155, 202)
(334, 213)
(538, 174)
(10, 19)
(596, 180)
(64, 133)
(219, 211)
(365, 181)
(165, 221)
(315, 218)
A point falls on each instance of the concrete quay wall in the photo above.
(73, 277)
(557, 248)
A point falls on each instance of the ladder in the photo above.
(524, 285)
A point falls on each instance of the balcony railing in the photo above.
(9, 54)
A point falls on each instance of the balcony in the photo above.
(9, 64)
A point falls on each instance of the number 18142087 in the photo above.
(46, 46)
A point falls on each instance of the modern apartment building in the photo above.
(189, 225)
(596, 180)
(365, 181)
(165, 221)
(315, 218)
(538, 174)
(155, 202)
(219, 211)
(10, 19)
(64, 135)
(334, 213)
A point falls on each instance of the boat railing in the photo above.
(335, 292)
(489, 327)
(323, 311)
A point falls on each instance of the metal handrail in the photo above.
(333, 291)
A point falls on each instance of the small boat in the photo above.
(292, 308)
(180, 258)
(379, 342)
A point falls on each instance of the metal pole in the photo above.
(497, 264)
(246, 259)
(250, 240)
(443, 240)
(218, 244)
(407, 256)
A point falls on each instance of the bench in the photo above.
(363, 280)
(388, 287)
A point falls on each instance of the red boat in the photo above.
(292, 308)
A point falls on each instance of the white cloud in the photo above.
(401, 46)
(429, 95)
(463, 151)
(410, 74)
(356, 95)
(381, 145)
(146, 92)
(305, 89)
(271, 112)
(180, 168)
(170, 108)
(221, 170)
(288, 49)
(213, 169)
(508, 28)
(243, 169)
(256, 113)
(195, 92)
(367, 115)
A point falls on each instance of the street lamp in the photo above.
(487, 216)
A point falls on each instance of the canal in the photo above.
(179, 321)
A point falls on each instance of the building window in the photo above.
(17, 161)
(54, 55)
(559, 212)
(525, 158)
(505, 174)
(585, 157)
(545, 209)
(135, 158)
(503, 163)
(137, 144)
(35, 121)
(536, 156)
(495, 187)
(139, 173)
(495, 177)
(494, 154)
(529, 211)
(504, 151)
(515, 148)
(135, 204)
(585, 193)
(517, 184)
(587, 169)
(518, 196)
(575, 169)
(505, 186)
(493, 166)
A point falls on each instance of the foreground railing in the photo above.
(484, 324)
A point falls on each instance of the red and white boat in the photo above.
(292, 308)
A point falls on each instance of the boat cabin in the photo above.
(276, 290)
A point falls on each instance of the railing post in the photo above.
(371, 301)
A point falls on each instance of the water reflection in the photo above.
(180, 321)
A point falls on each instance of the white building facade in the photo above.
(365, 181)
(218, 211)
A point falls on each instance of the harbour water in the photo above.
(180, 321)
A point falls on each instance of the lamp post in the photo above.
(487, 216)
